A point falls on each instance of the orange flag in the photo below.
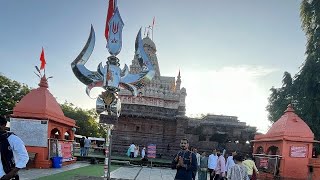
(43, 60)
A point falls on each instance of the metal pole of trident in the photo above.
(110, 77)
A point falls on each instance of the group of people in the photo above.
(189, 163)
(134, 151)
(85, 144)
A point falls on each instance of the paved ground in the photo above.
(143, 173)
(122, 173)
(37, 173)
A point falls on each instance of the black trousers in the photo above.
(212, 174)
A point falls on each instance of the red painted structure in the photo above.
(40, 104)
(291, 140)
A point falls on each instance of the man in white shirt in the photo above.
(212, 164)
(195, 151)
(87, 145)
(132, 148)
(14, 155)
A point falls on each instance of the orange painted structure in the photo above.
(286, 149)
(40, 105)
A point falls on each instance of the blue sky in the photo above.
(230, 53)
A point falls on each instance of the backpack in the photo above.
(6, 153)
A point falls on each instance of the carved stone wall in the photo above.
(143, 131)
(145, 125)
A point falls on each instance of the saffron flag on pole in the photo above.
(42, 60)
(109, 15)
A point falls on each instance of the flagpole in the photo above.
(153, 27)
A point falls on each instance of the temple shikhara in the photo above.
(158, 116)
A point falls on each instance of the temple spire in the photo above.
(178, 82)
(43, 82)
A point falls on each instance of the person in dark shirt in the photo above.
(184, 161)
(82, 146)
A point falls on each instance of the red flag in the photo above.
(42, 59)
(109, 15)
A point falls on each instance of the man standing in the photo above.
(185, 162)
(82, 151)
(132, 148)
(250, 165)
(14, 155)
(212, 164)
(87, 145)
(230, 161)
(195, 151)
(221, 167)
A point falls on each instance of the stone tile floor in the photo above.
(143, 173)
(122, 173)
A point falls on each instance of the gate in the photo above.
(268, 163)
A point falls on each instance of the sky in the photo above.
(230, 53)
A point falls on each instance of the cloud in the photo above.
(229, 91)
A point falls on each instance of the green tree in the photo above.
(11, 92)
(85, 119)
(304, 89)
(308, 79)
(280, 98)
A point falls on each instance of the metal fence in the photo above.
(268, 163)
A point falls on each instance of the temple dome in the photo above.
(290, 124)
(148, 42)
(40, 104)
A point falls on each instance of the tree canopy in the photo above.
(85, 119)
(11, 92)
(303, 91)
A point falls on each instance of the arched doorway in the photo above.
(67, 136)
(55, 133)
(260, 150)
(273, 150)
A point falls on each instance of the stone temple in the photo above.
(157, 116)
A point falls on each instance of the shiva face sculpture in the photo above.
(110, 77)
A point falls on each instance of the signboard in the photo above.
(152, 151)
(298, 151)
(263, 162)
(28, 128)
(66, 148)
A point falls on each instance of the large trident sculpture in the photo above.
(110, 77)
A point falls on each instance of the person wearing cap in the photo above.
(14, 155)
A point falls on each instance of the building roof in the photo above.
(289, 125)
(40, 104)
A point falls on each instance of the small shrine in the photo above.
(39, 121)
(285, 151)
